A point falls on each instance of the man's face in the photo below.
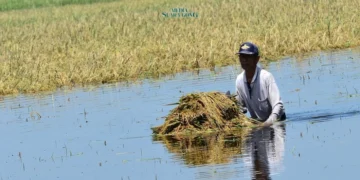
(248, 62)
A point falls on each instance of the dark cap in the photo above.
(248, 48)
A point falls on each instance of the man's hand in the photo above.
(272, 118)
(266, 124)
(242, 109)
(228, 94)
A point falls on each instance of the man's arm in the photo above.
(241, 102)
(274, 100)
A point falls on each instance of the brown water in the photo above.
(104, 132)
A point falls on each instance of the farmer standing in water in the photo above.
(256, 89)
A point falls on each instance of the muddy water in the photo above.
(104, 132)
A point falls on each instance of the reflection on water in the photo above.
(264, 151)
(261, 149)
(205, 149)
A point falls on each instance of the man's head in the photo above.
(248, 56)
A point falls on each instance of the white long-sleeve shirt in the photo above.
(262, 98)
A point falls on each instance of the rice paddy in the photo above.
(57, 46)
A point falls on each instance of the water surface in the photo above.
(104, 132)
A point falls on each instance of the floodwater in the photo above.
(104, 132)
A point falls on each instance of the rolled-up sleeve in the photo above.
(274, 97)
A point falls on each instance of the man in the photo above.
(256, 89)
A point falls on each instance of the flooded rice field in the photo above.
(104, 132)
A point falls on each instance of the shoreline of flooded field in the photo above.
(104, 132)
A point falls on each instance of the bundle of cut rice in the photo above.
(203, 112)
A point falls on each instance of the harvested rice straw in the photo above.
(204, 112)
